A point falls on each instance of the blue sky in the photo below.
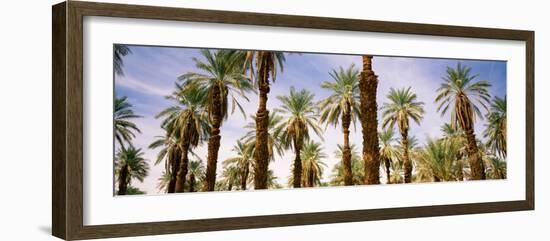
(151, 72)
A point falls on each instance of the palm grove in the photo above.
(203, 100)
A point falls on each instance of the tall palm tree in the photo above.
(463, 96)
(357, 168)
(119, 52)
(496, 127)
(342, 104)
(242, 161)
(368, 84)
(312, 165)
(196, 169)
(387, 150)
(402, 106)
(130, 164)
(224, 81)
(171, 155)
(187, 122)
(301, 115)
(262, 64)
(124, 127)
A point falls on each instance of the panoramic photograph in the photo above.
(203, 120)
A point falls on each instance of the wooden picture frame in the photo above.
(67, 124)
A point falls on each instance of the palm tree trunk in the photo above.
(477, 168)
(262, 122)
(214, 140)
(346, 153)
(407, 165)
(367, 86)
(310, 179)
(387, 164)
(123, 181)
(174, 165)
(182, 170)
(297, 166)
(192, 182)
(244, 176)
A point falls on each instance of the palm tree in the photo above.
(274, 144)
(124, 127)
(437, 160)
(301, 116)
(456, 138)
(387, 150)
(196, 169)
(130, 164)
(402, 106)
(265, 63)
(187, 122)
(119, 52)
(163, 181)
(460, 93)
(171, 155)
(242, 161)
(357, 168)
(368, 84)
(224, 80)
(230, 178)
(312, 165)
(497, 168)
(342, 104)
(496, 127)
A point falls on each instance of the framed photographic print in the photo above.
(212, 120)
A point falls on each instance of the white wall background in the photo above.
(25, 122)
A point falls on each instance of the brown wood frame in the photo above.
(67, 123)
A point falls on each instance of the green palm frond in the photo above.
(124, 127)
(495, 131)
(344, 97)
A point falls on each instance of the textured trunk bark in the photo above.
(407, 165)
(436, 179)
(387, 164)
(297, 166)
(214, 140)
(262, 122)
(122, 184)
(368, 84)
(174, 172)
(346, 153)
(182, 170)
(477, 168)
(244, 177)
(192, 182)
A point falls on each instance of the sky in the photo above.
(150, 74)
